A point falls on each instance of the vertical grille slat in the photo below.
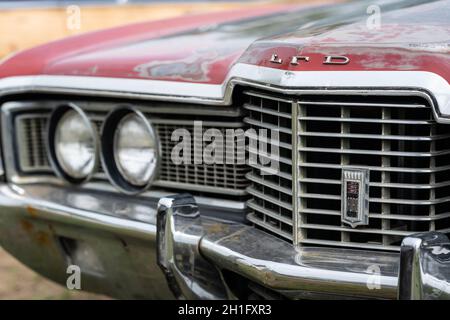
(395, 137)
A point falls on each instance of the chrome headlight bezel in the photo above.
(53, 122)
(109, 156)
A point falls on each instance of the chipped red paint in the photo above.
(127, 51)
(412, 39)
(203, 48)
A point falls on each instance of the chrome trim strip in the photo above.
(390, 169)
(366, 120)
(382, 184)
(15, 196)
(374, 136)
(285, 82)
(383, 216)
(58, 200)
(368, 231)
(357, 104)
(378, 200)
(296, 201)
(114, 87)
(374, 152)
(352, 82)
(358, 245)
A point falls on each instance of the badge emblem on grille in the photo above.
(355, 197)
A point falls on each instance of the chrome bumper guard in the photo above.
(425, 267)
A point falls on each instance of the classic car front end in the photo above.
(280, 152)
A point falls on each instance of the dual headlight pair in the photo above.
(127, 147)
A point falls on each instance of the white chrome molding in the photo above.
(292, 82)
(393, 83)
(115, 87)
(288, 82)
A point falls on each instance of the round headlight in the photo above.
(72, 142)
(135, 149)
(129, 150)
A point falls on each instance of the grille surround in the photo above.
(263, 113)
(32, 161)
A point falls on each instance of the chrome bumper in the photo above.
(123, 240)
(194, 252)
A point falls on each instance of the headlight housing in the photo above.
(73, 144)
(130, 150)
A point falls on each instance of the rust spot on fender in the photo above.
(32, 211)
(26, 225)
(42, 238)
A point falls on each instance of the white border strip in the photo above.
(294, 80)
(220, 94)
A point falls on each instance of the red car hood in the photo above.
(203, 48)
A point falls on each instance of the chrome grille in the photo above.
(217, 178)
(226, 177)
(396, 138)
(32, 150)
(271, 201)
